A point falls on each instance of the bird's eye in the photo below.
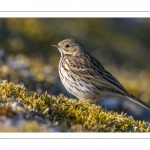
(67, 45)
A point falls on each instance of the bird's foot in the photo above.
(85, 101)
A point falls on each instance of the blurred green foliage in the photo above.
(123, 42)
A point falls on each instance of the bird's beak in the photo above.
(55, 45)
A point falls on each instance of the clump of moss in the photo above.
(60, 114)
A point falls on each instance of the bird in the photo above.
(85, 77)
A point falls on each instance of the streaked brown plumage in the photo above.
(85, 77)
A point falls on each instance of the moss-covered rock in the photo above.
(22, 110)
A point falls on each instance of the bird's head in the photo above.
(70, 47)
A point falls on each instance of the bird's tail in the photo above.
(138, 101)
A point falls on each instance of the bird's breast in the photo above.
(76, 85)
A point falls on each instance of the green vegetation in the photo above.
(59, 113)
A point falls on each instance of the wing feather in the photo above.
(92, 70)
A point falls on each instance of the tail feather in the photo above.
(138, 101)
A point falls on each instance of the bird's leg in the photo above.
(94, 105)
(85, 101)
(78, 103)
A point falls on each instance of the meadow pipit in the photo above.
(85, 77)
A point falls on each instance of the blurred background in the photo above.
(122, 45)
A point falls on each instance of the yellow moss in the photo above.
(61, 112)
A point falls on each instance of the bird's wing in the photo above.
(92, 70)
